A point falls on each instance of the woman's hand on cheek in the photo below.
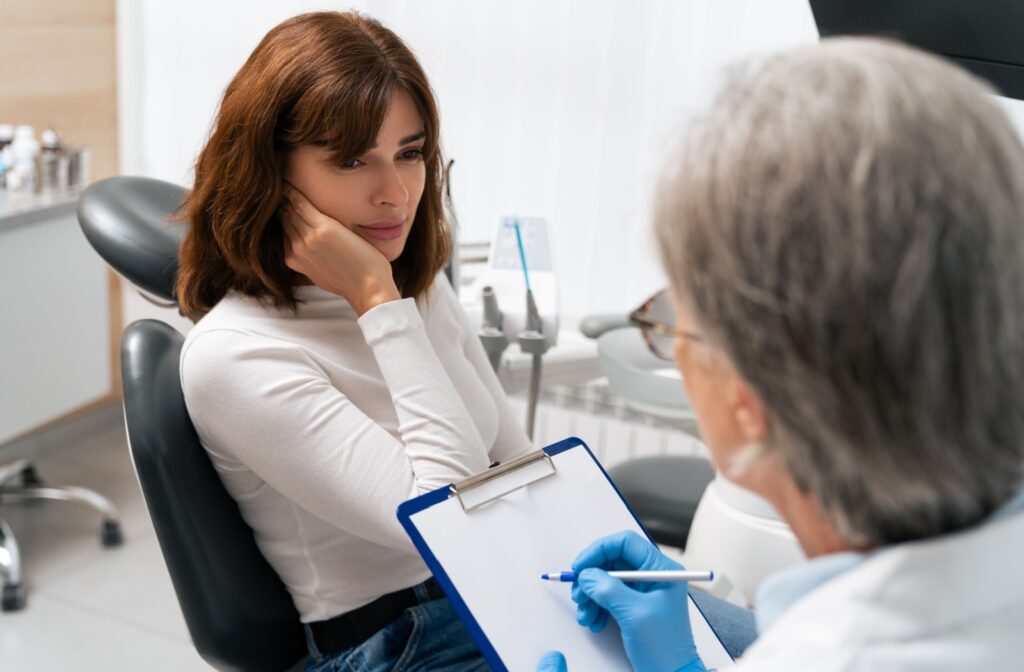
(334, 257)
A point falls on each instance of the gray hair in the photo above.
(846, 225)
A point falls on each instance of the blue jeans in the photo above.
(734, 625)
(430, 636)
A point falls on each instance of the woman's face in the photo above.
(376, 194)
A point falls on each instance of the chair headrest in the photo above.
(128, 221)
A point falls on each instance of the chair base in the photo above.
(13, 595)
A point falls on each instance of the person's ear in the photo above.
(749, 413)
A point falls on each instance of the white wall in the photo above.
(556, 108)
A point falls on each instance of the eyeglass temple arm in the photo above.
(594, 326)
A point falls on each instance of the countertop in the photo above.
(23, 209)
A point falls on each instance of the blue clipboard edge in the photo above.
(413, 506)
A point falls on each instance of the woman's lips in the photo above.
(383, 230)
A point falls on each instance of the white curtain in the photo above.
(554, 108)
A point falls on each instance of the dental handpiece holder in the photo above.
(508, 282)
(491, 333)
(519, 298)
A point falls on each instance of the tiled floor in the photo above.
(92, 608)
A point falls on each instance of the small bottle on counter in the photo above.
(79, 167)
(21, 173)
(51, 163)
(6, 138)
(49, 142)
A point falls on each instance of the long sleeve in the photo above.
(511, 439)
(269, 404)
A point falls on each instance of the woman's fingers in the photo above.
(291, 205)
(288, 219)
(291, 260)
(334, 257)
(296, 228)
(310, 215)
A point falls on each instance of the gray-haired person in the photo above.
(844, 235)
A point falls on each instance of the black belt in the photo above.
(355, 627)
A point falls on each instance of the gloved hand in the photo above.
(553, 661)
(654, 617)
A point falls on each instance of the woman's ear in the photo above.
(748, 411)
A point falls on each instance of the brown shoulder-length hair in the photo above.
(323, 79)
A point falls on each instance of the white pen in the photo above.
(654, 575)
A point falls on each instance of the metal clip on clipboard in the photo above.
(497, 482)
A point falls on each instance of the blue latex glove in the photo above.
(654, 617)
(553, 661)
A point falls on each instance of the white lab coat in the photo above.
(952, 603)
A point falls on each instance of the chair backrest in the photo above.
(239, 614)
(130, 222)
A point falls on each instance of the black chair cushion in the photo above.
(129, 222)
(664, 492)
(239, 614)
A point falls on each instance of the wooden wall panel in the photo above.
(58, 69)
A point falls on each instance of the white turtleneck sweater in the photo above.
(321, 423)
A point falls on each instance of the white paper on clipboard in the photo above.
(494, 555)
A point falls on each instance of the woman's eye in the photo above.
(412, 155)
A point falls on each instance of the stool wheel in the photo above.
(14, 597)
(111, 534)
(30, 478)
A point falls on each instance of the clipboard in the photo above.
(487, 540)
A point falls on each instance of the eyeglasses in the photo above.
(657, 323)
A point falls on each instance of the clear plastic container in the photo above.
(21, 172)
(79, 167)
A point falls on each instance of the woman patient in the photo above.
(332, 373)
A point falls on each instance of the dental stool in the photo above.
(238, 612)
(20, 483)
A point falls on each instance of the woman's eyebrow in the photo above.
(406, 140)
(412, 138)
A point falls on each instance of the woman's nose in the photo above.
(391, 189)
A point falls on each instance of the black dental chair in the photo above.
(664, 492)
(238, 612)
